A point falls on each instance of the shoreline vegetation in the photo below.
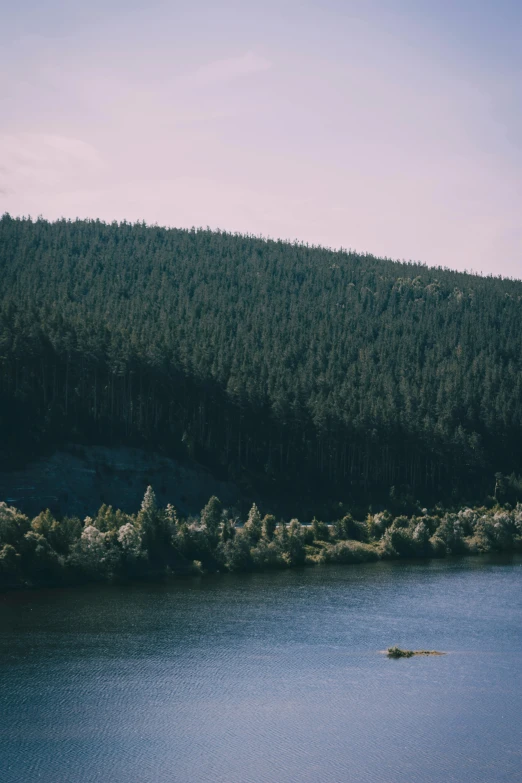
(398, 652)
(155, 543)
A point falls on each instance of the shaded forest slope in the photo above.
(284, 367)
(77, 480)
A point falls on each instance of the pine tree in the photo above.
(268, 526)
(253, 525)
(211, 516)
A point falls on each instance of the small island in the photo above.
(397, 652)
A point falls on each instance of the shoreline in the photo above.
(155, 544)
(504, 557)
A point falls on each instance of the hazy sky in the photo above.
(388, 126)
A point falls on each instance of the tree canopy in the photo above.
(280, 365)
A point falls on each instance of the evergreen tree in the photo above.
(253, 525)
(211, 517)
(268, 526)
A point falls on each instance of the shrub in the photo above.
(348, 528)
(320, 530)
(348, 552)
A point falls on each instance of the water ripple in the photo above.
(267, 679)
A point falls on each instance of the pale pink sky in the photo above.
(388, 127)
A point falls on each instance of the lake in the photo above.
(268, 678)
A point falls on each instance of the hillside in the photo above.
(289, 369)
(77, 480)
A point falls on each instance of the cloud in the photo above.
(38, 161)
(227, 70)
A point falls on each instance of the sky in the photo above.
(392, 127)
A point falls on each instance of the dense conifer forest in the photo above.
(287, 368)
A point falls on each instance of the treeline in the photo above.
(157, 543)
(283, 367)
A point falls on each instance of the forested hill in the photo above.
(279, 365)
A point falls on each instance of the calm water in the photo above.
(272, 678)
